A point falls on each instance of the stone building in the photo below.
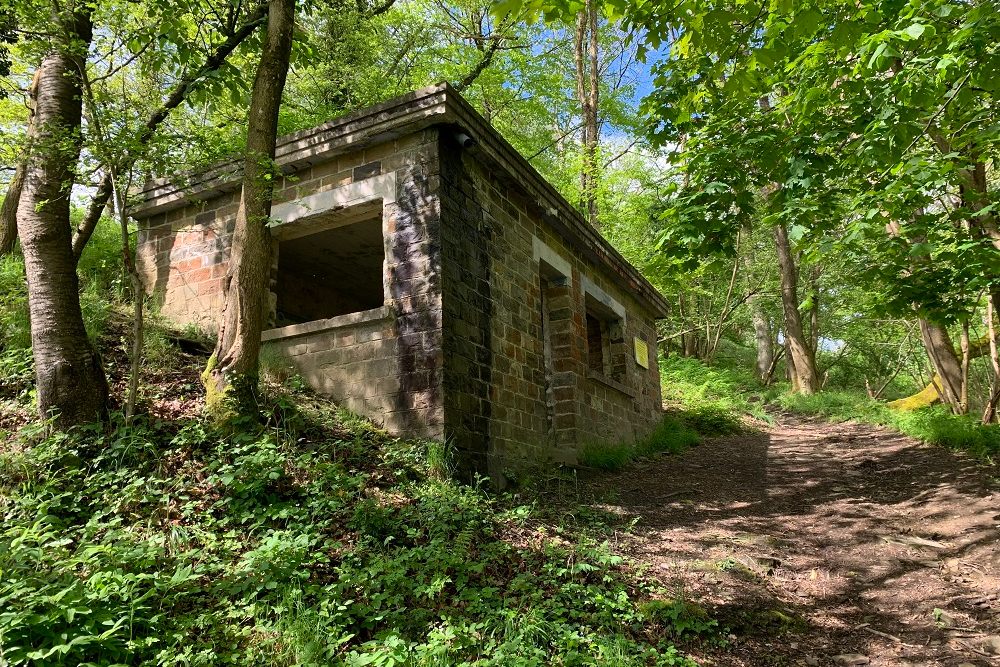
(426, 276)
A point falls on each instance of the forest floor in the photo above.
(823, 544)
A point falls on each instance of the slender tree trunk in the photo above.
(8, 212)
(138, 301)
(963, 399)
(593, 104)
(70, 377)
(232, 370)
(789, 363)
(800, 354)
(814, 274)
(763, 337)
(775, 358)
(588, 94)
(990, 410)
(580, 70)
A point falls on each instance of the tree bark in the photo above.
(947, 367)
(990, 409)
(762, 332)
(801, 358)
(70, 377)
(8, 212)
(231, 375)
(764, 338)
(814, 310)
(963, 399)
(588, 95)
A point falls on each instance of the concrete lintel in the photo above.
(316, 326)
(540, 252)
(602, 297)
(353, 194)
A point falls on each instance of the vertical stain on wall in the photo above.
(468, 312)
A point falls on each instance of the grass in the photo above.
(672, 435)
(935, 425)
(713, 398)
(705, 402)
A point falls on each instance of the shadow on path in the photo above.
(862, 540)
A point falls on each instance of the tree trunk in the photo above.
(947, 367)
(963, 399)
(990, 410)
(588, 94)
(762, 334)
(231, 375)
(802, 361)
(593, 131)
(138, 301)
(70, 377)
(814, 309)
(8, 212)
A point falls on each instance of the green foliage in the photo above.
(607, 456)
(674, 434)
(682, 617)
(935, 425)
(713, 398)
(305, 541)
(101, 279)
(15, 327)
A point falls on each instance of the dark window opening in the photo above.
(330, 273)
(596, 343)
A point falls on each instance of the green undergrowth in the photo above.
(673, 435)
(309, 540)
(702, 401)
(935, 425)
(101, 281)
(713, 399)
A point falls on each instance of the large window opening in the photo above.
(331, 272)
(605, 340)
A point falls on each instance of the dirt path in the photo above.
(816, 541)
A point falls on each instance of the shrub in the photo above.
(309, 542)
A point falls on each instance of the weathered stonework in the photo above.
(506, 324)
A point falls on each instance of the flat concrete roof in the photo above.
(436, 105)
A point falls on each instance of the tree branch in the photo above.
(179, 93)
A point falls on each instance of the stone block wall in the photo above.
(386, 364)
(354, 358)
(482, 339)
(544, 403)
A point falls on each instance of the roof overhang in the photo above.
(436, 105)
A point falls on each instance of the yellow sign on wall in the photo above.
(641, 353)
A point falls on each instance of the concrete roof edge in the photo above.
(434, 105)
(559, 212)
(394, 117)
